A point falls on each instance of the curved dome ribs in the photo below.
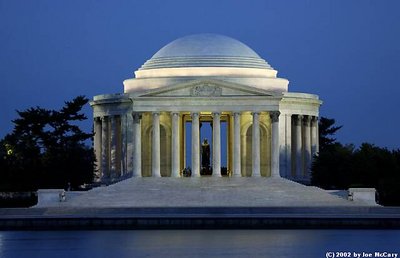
(210, 61)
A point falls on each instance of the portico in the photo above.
(270, 132)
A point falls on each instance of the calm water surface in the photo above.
(195, 243)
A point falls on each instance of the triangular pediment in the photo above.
(206, 88)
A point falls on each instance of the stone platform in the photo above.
(202, 203)
(207, 192)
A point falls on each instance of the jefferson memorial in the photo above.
(258, 127)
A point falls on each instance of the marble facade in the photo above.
(142, 132)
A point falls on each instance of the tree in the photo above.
(47, 149)
(326, 131)
(330, 165)
(331, 168)
(378, 168)
(340, 166)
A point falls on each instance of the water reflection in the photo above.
(195, 243)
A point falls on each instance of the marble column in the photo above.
(113, 147)
(175, 145)
(195, 145)
(256, 145)
(317, 132)
(307, 146)
(137, 145)
(155, 148)
(236, 145)
(129, 143)
(123, 159)
(314, 135)
(105, 148)
(243, 156)
(216, 145)
(275, 144)
(298, 147)
(97, 148)
(285, 141)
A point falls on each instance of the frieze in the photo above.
(206, 90)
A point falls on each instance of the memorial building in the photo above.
(205, 79)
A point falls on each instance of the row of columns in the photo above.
(216, 144)
(108, 158)
(305, 140)
(111, 147)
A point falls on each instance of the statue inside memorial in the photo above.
(205, 158)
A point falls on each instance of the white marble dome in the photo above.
(205, 50)
(202, 56)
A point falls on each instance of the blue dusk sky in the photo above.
(347, 52)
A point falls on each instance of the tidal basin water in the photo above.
(198, 243)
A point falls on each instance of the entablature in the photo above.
(206, 88)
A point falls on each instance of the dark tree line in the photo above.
(341, 166)
(46, 149)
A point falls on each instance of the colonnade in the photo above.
(113, 146)
(118, 154)
(305, 144)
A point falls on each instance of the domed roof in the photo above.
(205, 50)
(205, 56)
(205, 45)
